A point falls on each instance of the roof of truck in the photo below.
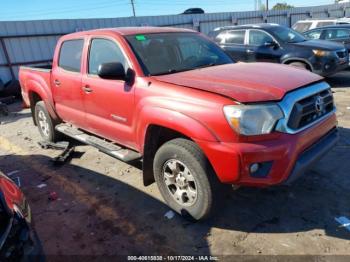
(134, 30)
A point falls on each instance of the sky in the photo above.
(12, 10)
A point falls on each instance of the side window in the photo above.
(235, 37)
(314, 34)
(320, 24)
(220, 38)
(259, 38)
(302, 26)
(341, 33)
(104, 51)
(337, 34)
(70, 55)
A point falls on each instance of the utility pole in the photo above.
(133, 7)
(267, 5)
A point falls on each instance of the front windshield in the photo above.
(286, 35)
(166, 53)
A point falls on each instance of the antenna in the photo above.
(133, 7)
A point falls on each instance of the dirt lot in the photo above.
(103, 208)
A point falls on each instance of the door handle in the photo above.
(57, 82)
(87, 89)
(250, 51)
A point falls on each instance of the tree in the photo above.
(282, 6)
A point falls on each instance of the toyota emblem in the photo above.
(319, 104)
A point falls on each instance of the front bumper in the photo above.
(326, 66)
(287, 155)
(314, 153)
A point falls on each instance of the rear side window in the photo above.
(235, 37)
(70, 55)
(320, 24)
(104, 51)
(314, 34)
(302, 27)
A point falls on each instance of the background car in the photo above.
(280, 44)
(193, 11)
(18, 240)
(308, 24)
(336, 33)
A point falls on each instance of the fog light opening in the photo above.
(254, 168)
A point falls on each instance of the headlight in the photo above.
(318, 52)
(252, 120)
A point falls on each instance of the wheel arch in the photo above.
(155, 137)
(300, 60)
(157, 125)
(35, 94)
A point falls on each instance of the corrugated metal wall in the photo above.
(28, 48)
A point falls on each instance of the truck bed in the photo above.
(35, 78)
(47, 67)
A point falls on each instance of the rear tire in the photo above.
(185, 178)
(45, 123)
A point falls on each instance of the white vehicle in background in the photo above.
(308, 24)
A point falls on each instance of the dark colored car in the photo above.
(193, 11)
(336, 33)
(18, 240)
(280, 44)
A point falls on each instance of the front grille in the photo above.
(342, 54)
(310, 109)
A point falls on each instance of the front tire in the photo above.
(183, 176)
(300, 65)
(45, 123)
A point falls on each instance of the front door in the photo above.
(262, 47)
(108, 103)
(66, 83)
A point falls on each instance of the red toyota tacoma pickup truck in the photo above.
(173, 98)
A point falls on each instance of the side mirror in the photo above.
(112, 70)
(273, 44)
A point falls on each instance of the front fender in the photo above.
(177, 121)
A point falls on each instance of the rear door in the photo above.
(260, 47)
(66, 82)
(233, 42)
(109, 104)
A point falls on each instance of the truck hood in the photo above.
(244, 82)
(320, 44)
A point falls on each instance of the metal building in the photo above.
(33, 42)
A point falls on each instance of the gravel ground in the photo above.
(103, 208)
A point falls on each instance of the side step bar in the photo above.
(109, 148)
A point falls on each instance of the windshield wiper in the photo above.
(171, 71)
(293, 42)
(207, 65)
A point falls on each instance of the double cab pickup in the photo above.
(175, 100)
